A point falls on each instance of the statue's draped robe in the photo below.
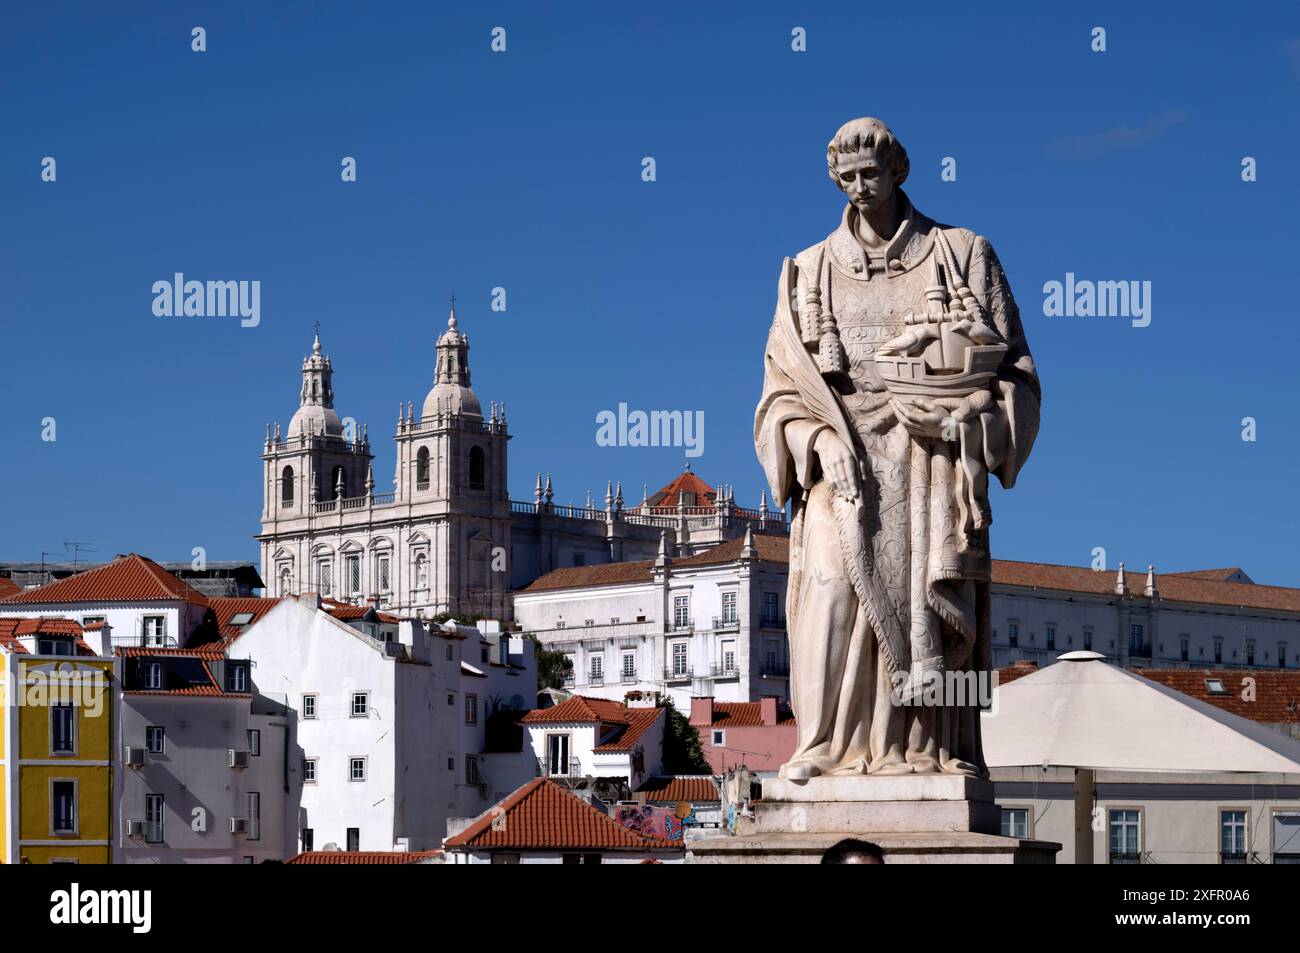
(890, 591)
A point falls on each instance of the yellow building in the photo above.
(58, 730)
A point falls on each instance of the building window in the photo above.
(1183, 650)
(1013, 634)
(770, 615)
(254, 815)
(236, 678)
(153, 680)
(63, 729)
(1087, 639)
(1218, 650)
(1250, 653)
(325, 577)
(352, 574)
(477, 468)
(471, 769)
(153, 818)
(155, 630)
(155, 739)
(309, 770)
(1232, 837)
(719, 738)
(557, 755)
(286, 487)
(1015, 822)
(63, 807)
(597, 663)
(451, 762)
(629, 665)
(1125, 837)
(471, 709)
(729, 608)
(679, 658)
(1051, 637)
(681, 612)
(360, 704)
(728, 656)
(1135, 639)
(422, 469)
(382, 565)
(1286, 837)
(451, 699)
(308, 707)
(308, 840)
(356, 769)
(54, 647)
(254, 742)
(1281, 655)
(354, 839)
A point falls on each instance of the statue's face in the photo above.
(866, 179)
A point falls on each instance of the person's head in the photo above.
(851, 851)
(867, 163)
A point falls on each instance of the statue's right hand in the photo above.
(838, 464)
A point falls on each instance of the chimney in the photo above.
(767, 708)
(99, 636)
(702, 711)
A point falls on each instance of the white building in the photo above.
(447, 537)
(709, 624)
(597, 738)
(387, 735)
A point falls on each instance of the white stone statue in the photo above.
(897, 377)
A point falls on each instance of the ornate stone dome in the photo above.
(451, 391)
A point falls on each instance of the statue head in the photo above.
(867, 163)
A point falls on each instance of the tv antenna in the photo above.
(77, 549)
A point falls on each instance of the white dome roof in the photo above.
(315, 419)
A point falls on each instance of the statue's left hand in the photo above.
(921, 418)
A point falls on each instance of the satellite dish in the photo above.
(332, 845)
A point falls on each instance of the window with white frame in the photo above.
(729, 608)
(1125, 836)
(471, 709)
(719, 738)
(360, 704)
(155, 630)
(1013, 633)
(728, 655)
(1232, 836)
(629, 665)
(382, 575)
(236, 677)
(356, 769)
(153, 679)
(63, 729)
(597, 666)
(324, 576)
(153, 818)
(309, 770)
(254, 742)
(155, 739)
(471, 769)
(308, 707)
(1051, 637)
(681, 612)
(770, 608)
(63, 807)
(1087, 638)
(1286, 837)
(1015, 822)
(679, 658)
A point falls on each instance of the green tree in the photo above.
(552, 667)
(682, 752)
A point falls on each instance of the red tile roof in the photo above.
(693, 788)
(8, 587)
(542, 815)
(630, 724)
(227, 607)
(772, 549)
(1228, 574)
(206, 652)
(746, 715)
(363, 857)
(1274, 696)
(12, 628)
(686, 482)
(131, 578)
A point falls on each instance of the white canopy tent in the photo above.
(1088, 715)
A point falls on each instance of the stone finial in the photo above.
(400, 416)
(762, 503)
(370, 479)
(549, 493)
(588, 500)
(1121, 582)
(609, 494)
(749, 550)
(1151, 592)
(618, 496)
(537, 490)
(503, 413)
(645, 496)
(663, 559)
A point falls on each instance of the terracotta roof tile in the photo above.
(622, 727)
(686, 482)
(691, 788)
(8, 587)
(319, 857)
(542, 815)
(1275, 692)
(227, 607)
(772, 549)
(746, 715)
(131, 578)
(605, 574)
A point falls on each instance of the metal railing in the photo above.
(679, 673)
(718, 670)
(558, 768)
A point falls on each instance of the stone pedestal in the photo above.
(914, 818)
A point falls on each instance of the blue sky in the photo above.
(522, 170)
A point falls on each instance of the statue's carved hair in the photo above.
(868, 133)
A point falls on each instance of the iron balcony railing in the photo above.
(679, 673)
(559, 768)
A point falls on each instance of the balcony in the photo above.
(627, 678)
(778, 670)
(595, 678)
(679, 673)
(723, 623)
(722, 670)
(772, 622)
(558, 768)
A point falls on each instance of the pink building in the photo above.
(759, 735)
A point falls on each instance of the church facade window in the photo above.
(422, 469)
(477, 468)
(286, 487)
